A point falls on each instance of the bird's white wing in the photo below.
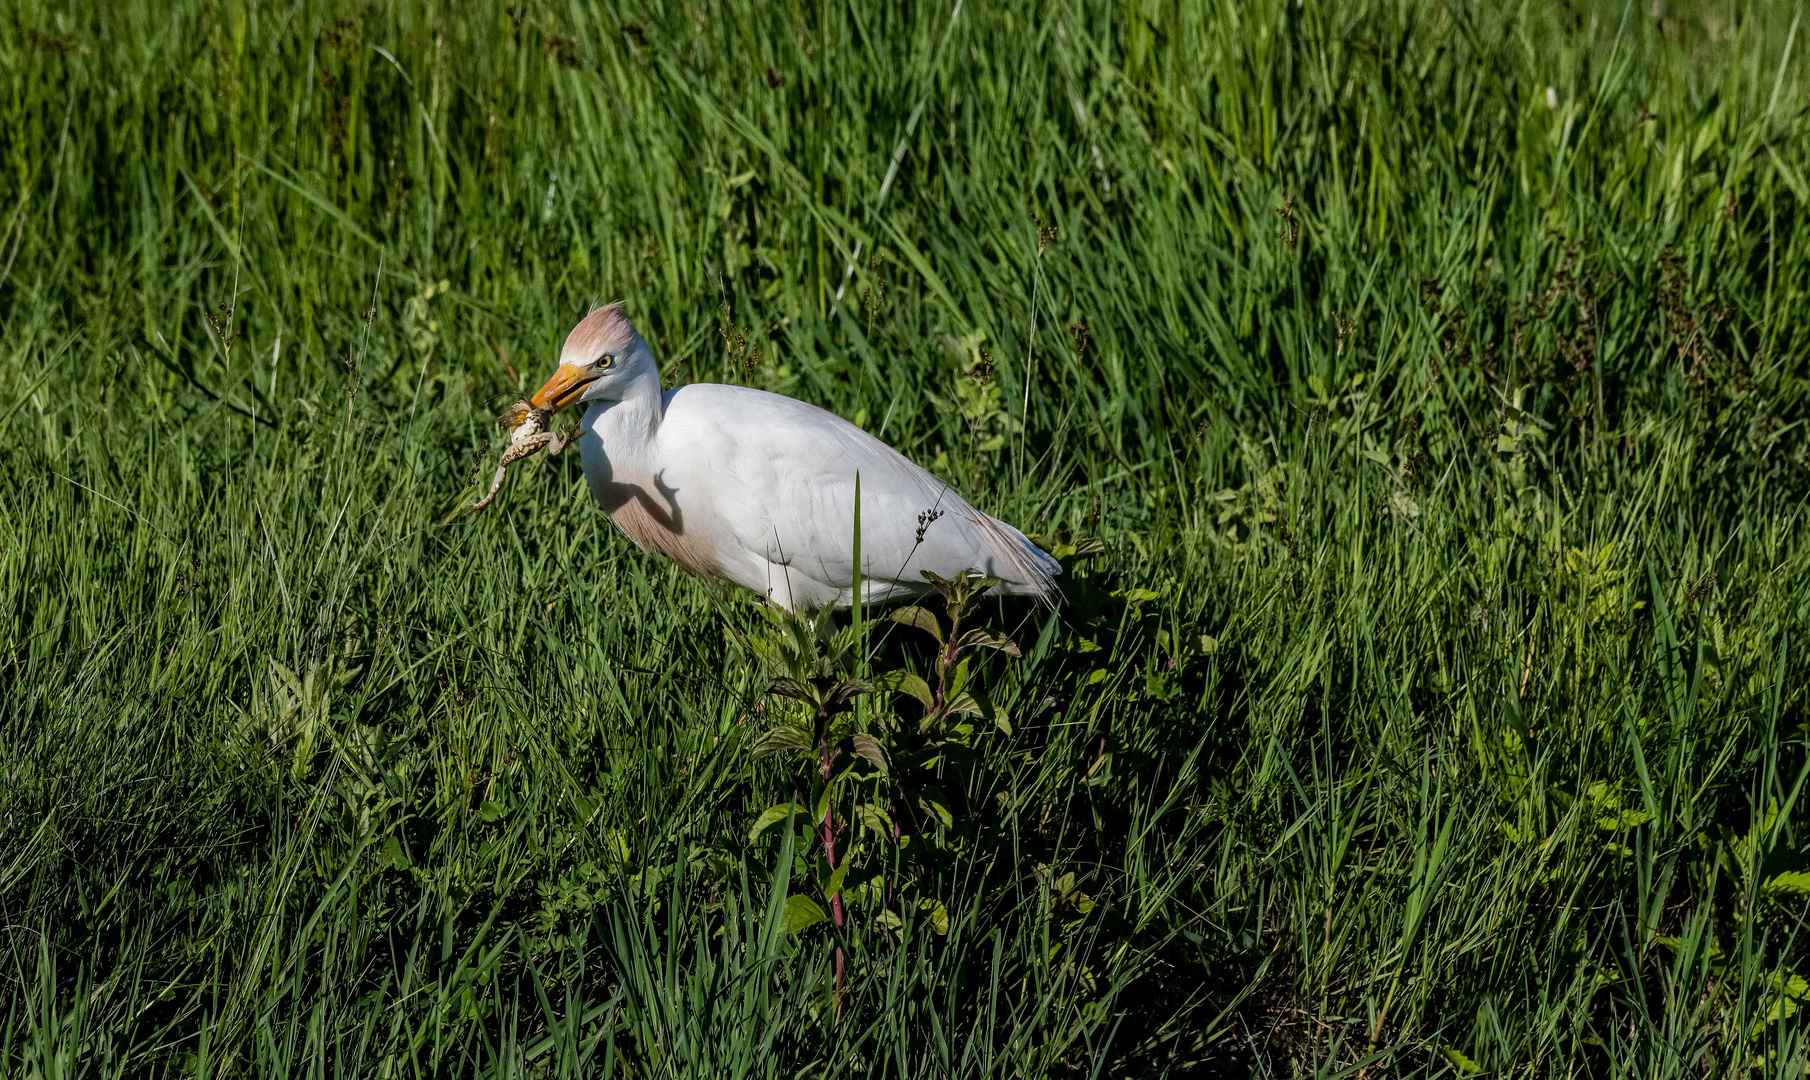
(779, 475)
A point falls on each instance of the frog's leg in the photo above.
(518, 450)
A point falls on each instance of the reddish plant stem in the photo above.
(827, 833)
(947, 660)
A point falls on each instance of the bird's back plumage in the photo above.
(759, 488)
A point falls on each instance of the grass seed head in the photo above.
(1291, 227)
(925, 519)
(982, 371)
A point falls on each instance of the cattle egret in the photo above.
(758, 489)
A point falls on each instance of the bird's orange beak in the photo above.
(563, 388)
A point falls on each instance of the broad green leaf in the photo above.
(905, 682)
(931, 800)
(1786, 988)
(825, 798)
(1069, 549)
(939, 915)
(848, 689)
(1460, 1062)
(866, 887)
(1626, 819)
(874, 818)
(977, 702)
(616, 844)
(792, 688)
(991, 640)
(772, 816)
(1790, 984)
(802, 913)
(921, 618)
(779, 740)
(491, 811)
(833, 885)
(393, 855)
(1521, 416)
(869, 747)
(1791, 881)
(958, 678)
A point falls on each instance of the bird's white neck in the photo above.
(626, 425)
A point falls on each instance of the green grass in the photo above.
(1438, 705)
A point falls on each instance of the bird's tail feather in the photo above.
(1029, 570)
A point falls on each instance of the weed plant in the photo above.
(1415, 392)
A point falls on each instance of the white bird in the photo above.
(758, 489)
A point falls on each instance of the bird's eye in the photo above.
(606, 360)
